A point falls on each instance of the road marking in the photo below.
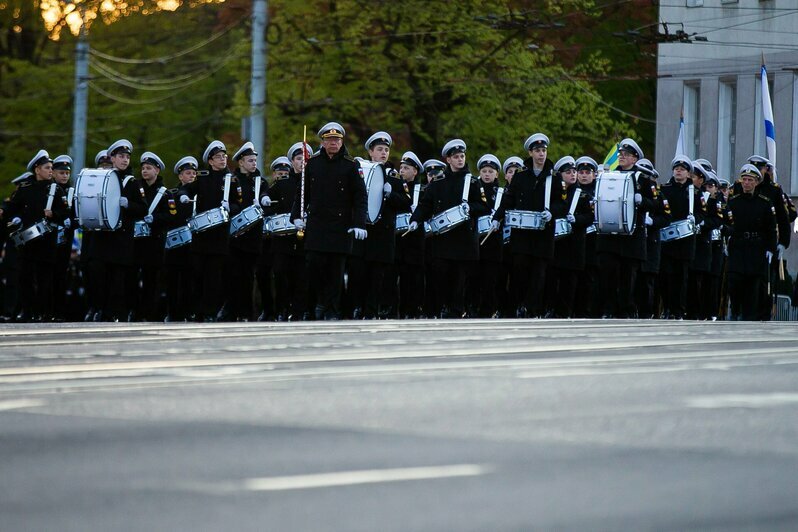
(343, 478)
(749, 400)
(16, 404)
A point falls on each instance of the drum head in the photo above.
(102, 191)
(374, 176)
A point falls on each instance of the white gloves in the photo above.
(466, 208)
(299, 223)
(16, 220)
(638, 198)
(265, 201)
(67, 223)
(546, 216)
(691, 218)
(494, 226)
(780, 249)
(360, 234)
(571, 218)
(148, 219)
(184, 199)
(386, 189)
(123, 202)
(769, 256)
(413, 226)
(226, 205)
(649, 220)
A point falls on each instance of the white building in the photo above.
(717, 82)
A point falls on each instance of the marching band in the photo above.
(330, 236)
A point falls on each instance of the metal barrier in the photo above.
(783, 309)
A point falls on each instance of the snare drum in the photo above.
(180, 236)
(615, 203)
(246, 220)
(715, 235)
(37, 230)
(279, 225)
(373, 174)
(402, 222)
(483, 224)
(506, 232)
(141, 229)
(97, 193)
(590, 229)
(208, 219)
(524, 220)
(677, 231)
(449, 219)
(562, 227)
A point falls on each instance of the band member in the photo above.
(333, 212)
(456, 251)
(177, 260)
(210, 247)
(568, 262)
(510, 299)
(112, 253)
(62, 168)
(699, 306)
(620, 256)
(775, 194)
(716, 206)
(677, 254)
(149, 250)
(245, 249)
(586, 302)
(752, 225)
(655, 219)
(34, 205)
(410, 246)
(433, 169)
(487, 288)
(511, 166)
(533, 249)
(103, 160)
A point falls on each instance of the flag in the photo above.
(680, 140)
(767, 113)
(611, 160)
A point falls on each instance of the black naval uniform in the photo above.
(700, 304)
(245, 249)
(457, 250)
(586, 301)
(180, 299)
(677, 254)
(38, 256)
(335, 201)
(491, 253)
(752, 227)
(149, 253)
(288, 255)
(410, 263)
(532, 250)
(209, 248)
(647, 285)
(620, 256)
(112, 256)
(718, 257)
(63, 255)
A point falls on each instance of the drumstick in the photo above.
(406, 232)
(490, 231)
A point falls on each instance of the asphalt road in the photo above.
(400, 426)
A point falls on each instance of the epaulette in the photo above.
(776, 185)
(474, 179)
(202, 173)
(764, 198)
(347, 157)
(26, 183)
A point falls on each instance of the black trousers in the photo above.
(148, 295)
(208, 288)
(36, 287)
(647, 295)
(673, 286)
(241, 272)
(375, 275)
(290, 285)
(179, 288)
(618, 275)
(326, 273)
(357, 284)
(110, 284)
(411, 290)
(561, 290)
(450, 278)
(745, 291)
(529, 276)
(60, 279)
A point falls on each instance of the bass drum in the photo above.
(374, 176)
(615, 203)
(97, 193)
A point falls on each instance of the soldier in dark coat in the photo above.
(620, 256)
(586, 302)
(62, 167)
(27, 206)
(751, 224)
(333, 213)
(455, 252)
(716, 207)
(647, 285)
(677, 254)
(180, 299)
(433, 169)
(699, 305)
(568, 262)
(210, 247)
(487, 290)
(113, 251)
(149, 250)
(510, 300)
(532, 250)
(245, 248)
(410, 246)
